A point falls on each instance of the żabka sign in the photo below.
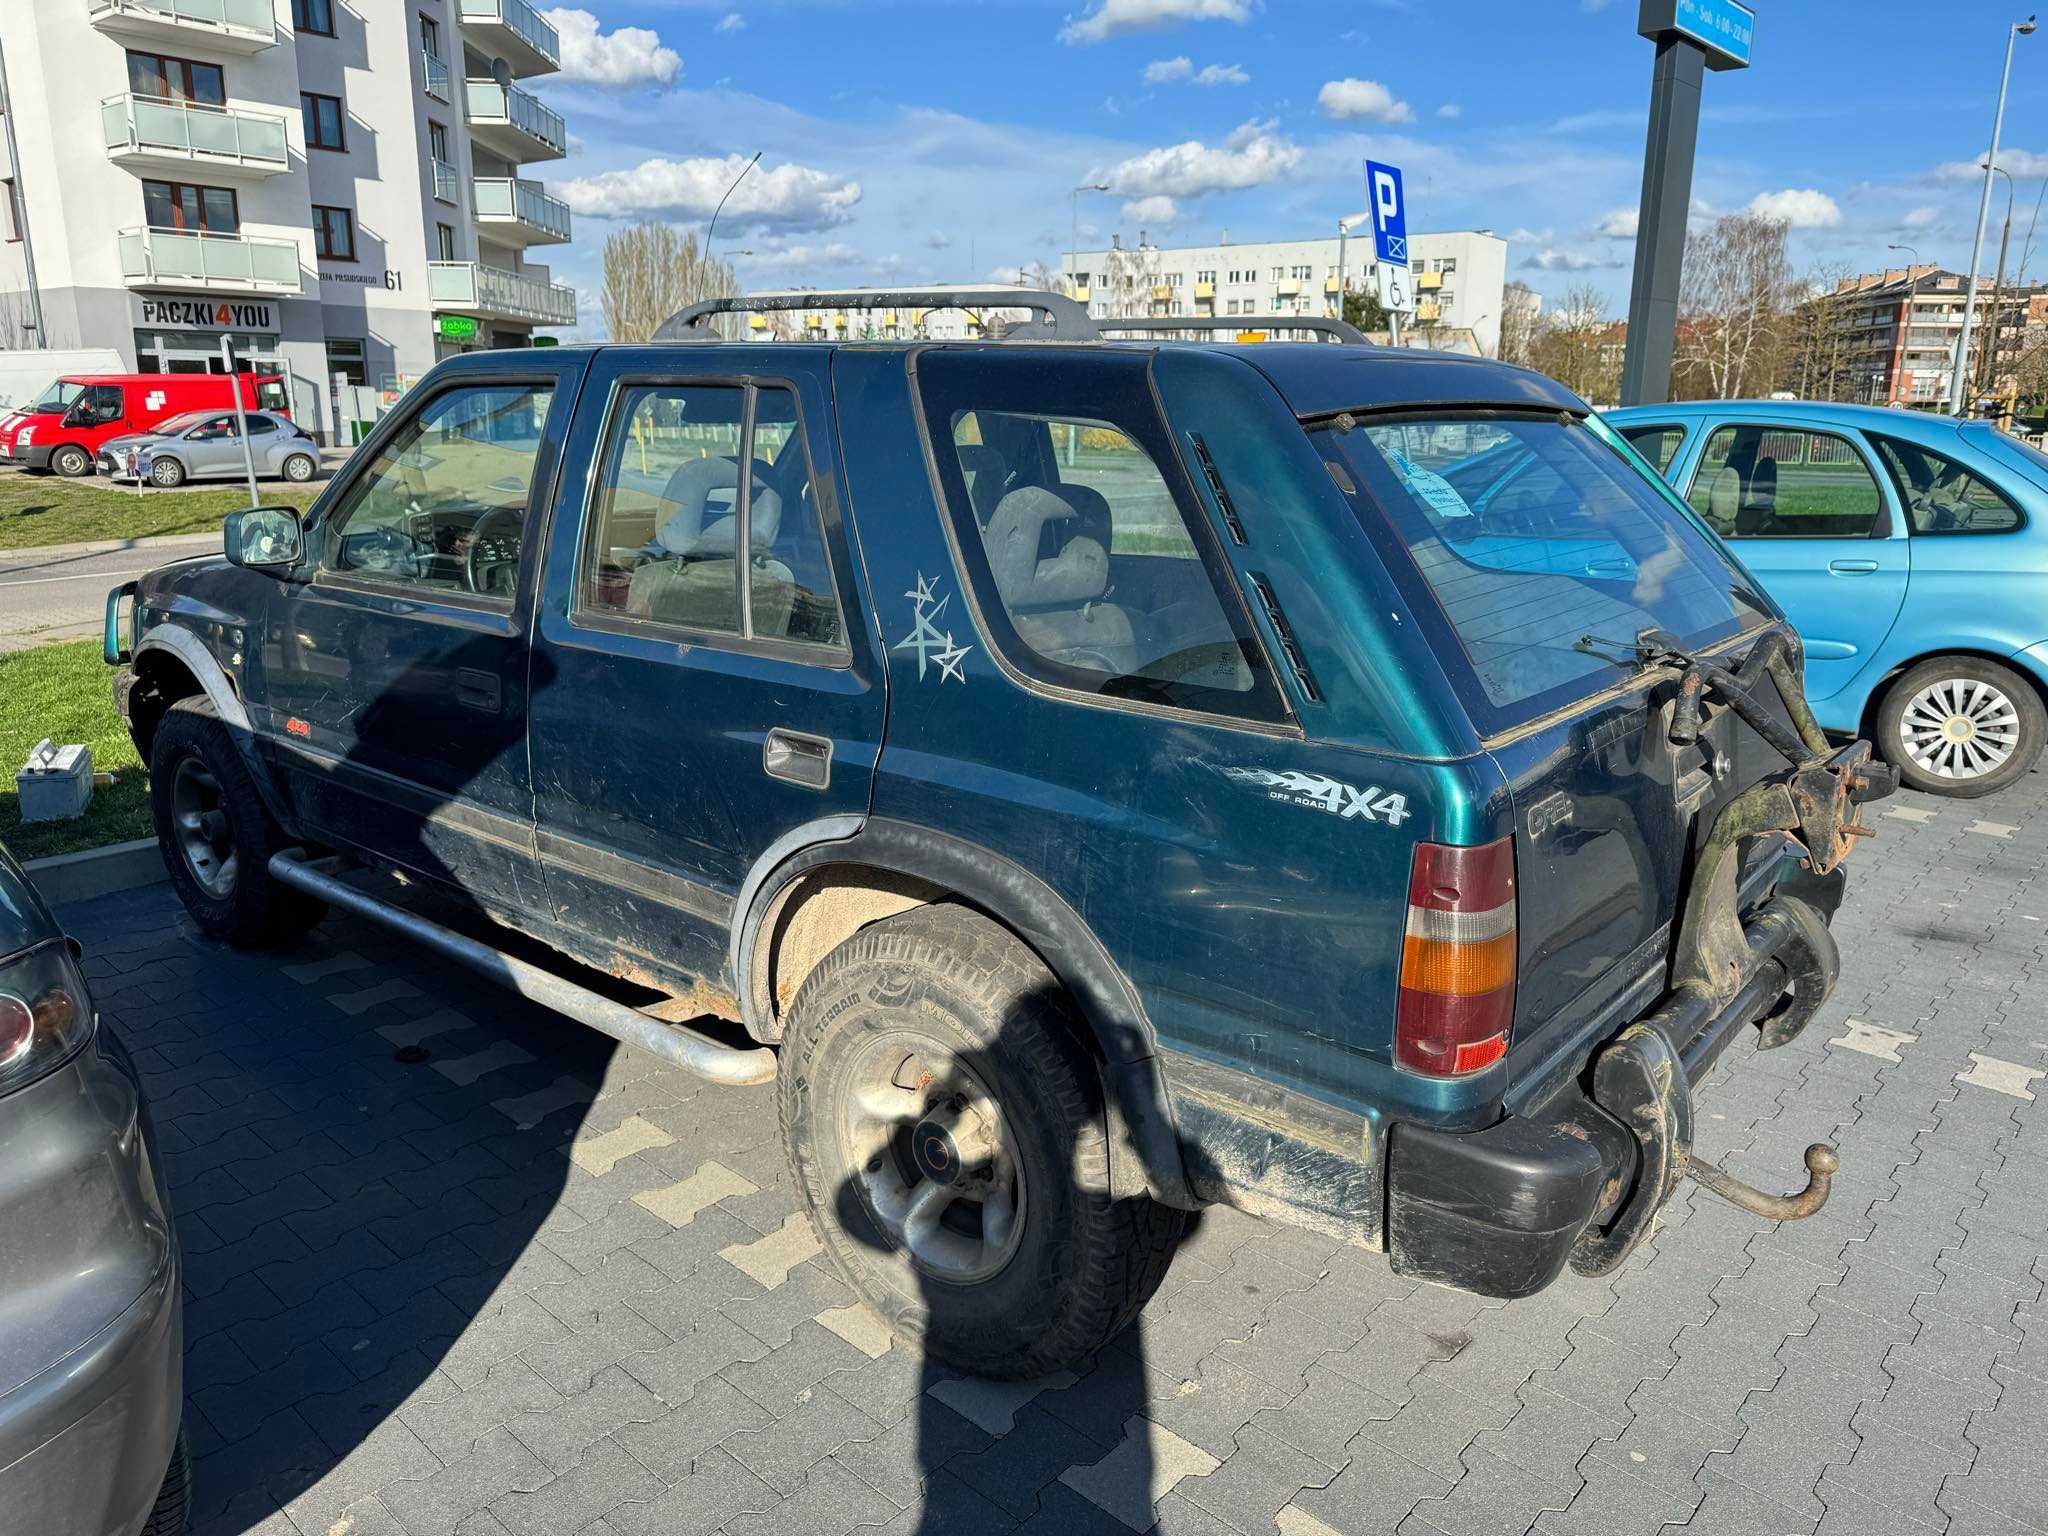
(187, 313)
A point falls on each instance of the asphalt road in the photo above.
(59, 592)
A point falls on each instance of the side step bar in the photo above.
(674, 1044)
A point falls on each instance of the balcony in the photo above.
(184, 258)
(215, 26)
(516, 32)
(1205, 291)
(518, 212)
(438, 82)
(1288, 287)
(447, 182)
(1427, 312)
(182, 138)
(492, 293)
(513, 123)
(1428, 280)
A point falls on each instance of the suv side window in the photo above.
(1939, 495)
(443, 505)
(667, 513)
(1657, 444)
(1757, 482)
(1082, 538)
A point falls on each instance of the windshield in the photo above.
(57, 396)
(1516, 536)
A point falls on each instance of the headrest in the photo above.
(690, 488)
(1091, 512)
(1079, 574)
(1724, 496)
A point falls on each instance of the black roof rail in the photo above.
(1055, 316)
(1321, 325)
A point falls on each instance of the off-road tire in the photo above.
(300, 467)
(2033, 725)
(71, 461)
(168, 1516)
(257, 910)
(166, 474)
(1085, 1262)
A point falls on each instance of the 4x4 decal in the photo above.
(926, 638)
(1322, 793)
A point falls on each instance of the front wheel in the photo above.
(947, 1130)
(1961, 726)
(167, 474)
(71, 461)
(169, 1515)
(216, 834)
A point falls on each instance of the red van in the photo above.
(64, 427)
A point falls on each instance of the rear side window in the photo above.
(1523, 536)
(1081, 539)
(1657, 444)
(1757, 482)
(1939, 495)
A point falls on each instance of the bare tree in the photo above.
(1521, 313)
(1817, 357)
(1578, 345)
(1732, 307)
(652, 270)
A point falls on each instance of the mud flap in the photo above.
(1640, 1081)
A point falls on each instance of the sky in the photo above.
(913, 143)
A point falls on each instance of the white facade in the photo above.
(1459, 278)
(166, 188)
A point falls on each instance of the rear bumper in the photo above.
(1501, 1211)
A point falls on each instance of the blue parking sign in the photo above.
(1389, 212)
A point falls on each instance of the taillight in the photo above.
(17, 1028)
(1458, 960)
(44, 1015)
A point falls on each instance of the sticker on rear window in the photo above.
(1316, 791)
(1430, 487)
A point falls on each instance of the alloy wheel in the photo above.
(1960, 728)
(932, 1159)
(205, 837)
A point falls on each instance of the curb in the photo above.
(67, 877)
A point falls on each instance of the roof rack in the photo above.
(1320, 325)
(1055, 317)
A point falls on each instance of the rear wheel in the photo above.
(168, 1516)
(947, 1130)
(71, 461)
(1961, 726)
(299, 467)
(216, 834)
(167, 473)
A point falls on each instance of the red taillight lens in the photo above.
(17, 1028)
(1457, 960)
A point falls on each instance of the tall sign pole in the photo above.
(1692, 36)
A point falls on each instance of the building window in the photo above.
(176, 205)
(168, 79)
(348, 356)
(334, 233)
(325, 127)
(316, 16)
(437, 141)
(444, 242)
(430, 37)
(1448, 265)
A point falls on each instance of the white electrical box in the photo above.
(55, 783)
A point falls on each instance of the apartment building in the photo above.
(336, 186)
(1900, 328)
(1459, 279)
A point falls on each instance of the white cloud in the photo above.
(1362, 101)
(2014, 162)
(1551, 259)
(626, 57)
(731, 21)
(787, 199)
(1252, 156)
(1159, 71)
(1156, 209)
(1222, 74)
(1797, 208)
(1920, 218)
(1619, 223)
(1450, 109)
(836, 253)
(1112, 17)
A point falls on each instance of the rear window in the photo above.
(1514, 537)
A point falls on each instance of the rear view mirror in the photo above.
(263, 538)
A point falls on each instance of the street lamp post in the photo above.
(712, 228)
(2017, 30)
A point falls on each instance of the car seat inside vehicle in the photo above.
(687, 574)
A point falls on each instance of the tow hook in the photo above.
(1822, 1163)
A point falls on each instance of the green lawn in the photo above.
(66, 692)
(44, 509)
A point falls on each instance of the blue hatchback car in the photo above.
(1909, 550)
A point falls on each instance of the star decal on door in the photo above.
(931, 643)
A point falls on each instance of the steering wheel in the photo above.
(490, 565)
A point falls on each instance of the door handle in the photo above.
(479, 690)
(797, 758)
(1852, 567)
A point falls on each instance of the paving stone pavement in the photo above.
(557, 1287)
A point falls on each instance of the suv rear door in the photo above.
(689, 707)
